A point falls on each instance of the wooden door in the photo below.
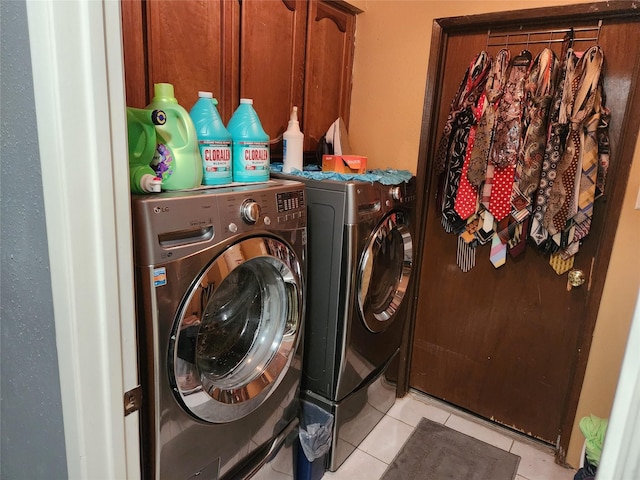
(511, 344)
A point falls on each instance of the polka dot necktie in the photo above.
(507, 137)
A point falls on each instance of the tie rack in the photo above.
(505, 39)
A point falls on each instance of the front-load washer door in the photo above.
(384, 271)
(237, 330)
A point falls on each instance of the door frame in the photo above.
(78, 82)
(442, 29)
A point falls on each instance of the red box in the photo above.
(344, 163)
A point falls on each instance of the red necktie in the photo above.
(467, 196)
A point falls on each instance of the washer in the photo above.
(220, 296)
(360, 264)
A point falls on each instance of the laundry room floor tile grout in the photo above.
(373, 455)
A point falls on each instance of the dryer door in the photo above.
(384, 271)
(237, 330)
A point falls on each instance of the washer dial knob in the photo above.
(250, 211)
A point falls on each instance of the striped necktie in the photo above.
(589, 169)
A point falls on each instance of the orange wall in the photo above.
(390, 67)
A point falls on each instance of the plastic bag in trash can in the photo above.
(316, 426)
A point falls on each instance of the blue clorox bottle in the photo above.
(214, 141)
(250, 144)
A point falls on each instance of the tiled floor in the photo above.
(373, 455)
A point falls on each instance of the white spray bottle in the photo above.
(293, 140)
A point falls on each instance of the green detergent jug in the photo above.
(141, 136)
(177, 157)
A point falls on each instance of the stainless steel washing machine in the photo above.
(360, 263)
(220, 276)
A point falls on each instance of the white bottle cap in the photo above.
(150, 184)
(205, 94)
(247, 100)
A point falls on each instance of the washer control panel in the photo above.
(291, 205)
(250, 211)
(171, 225)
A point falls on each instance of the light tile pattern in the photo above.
(374, 454)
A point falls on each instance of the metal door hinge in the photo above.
(132, 400)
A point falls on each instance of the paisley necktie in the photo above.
(507, 135)
(494, 88)
(539, 89)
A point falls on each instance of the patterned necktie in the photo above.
(603, 150)
(581, 98)
(552, 154)
(461, 126)
(539, 89)
(494, 88)
(588, 177)
(498, 253)
(595, 129)
(469, 91)
(456, 141)
(506, 141)
(467, 196)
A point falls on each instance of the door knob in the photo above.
(576, 278)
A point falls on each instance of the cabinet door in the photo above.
(329, 61)
(189, 44)
(272, 46)
(279, 53)
(135, 69)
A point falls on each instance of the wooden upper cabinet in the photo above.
(185, 47)
(135, 66)
(329, 62)
(279, 53)
(272, 48)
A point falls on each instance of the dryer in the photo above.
(360, 264)
(220, 278)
